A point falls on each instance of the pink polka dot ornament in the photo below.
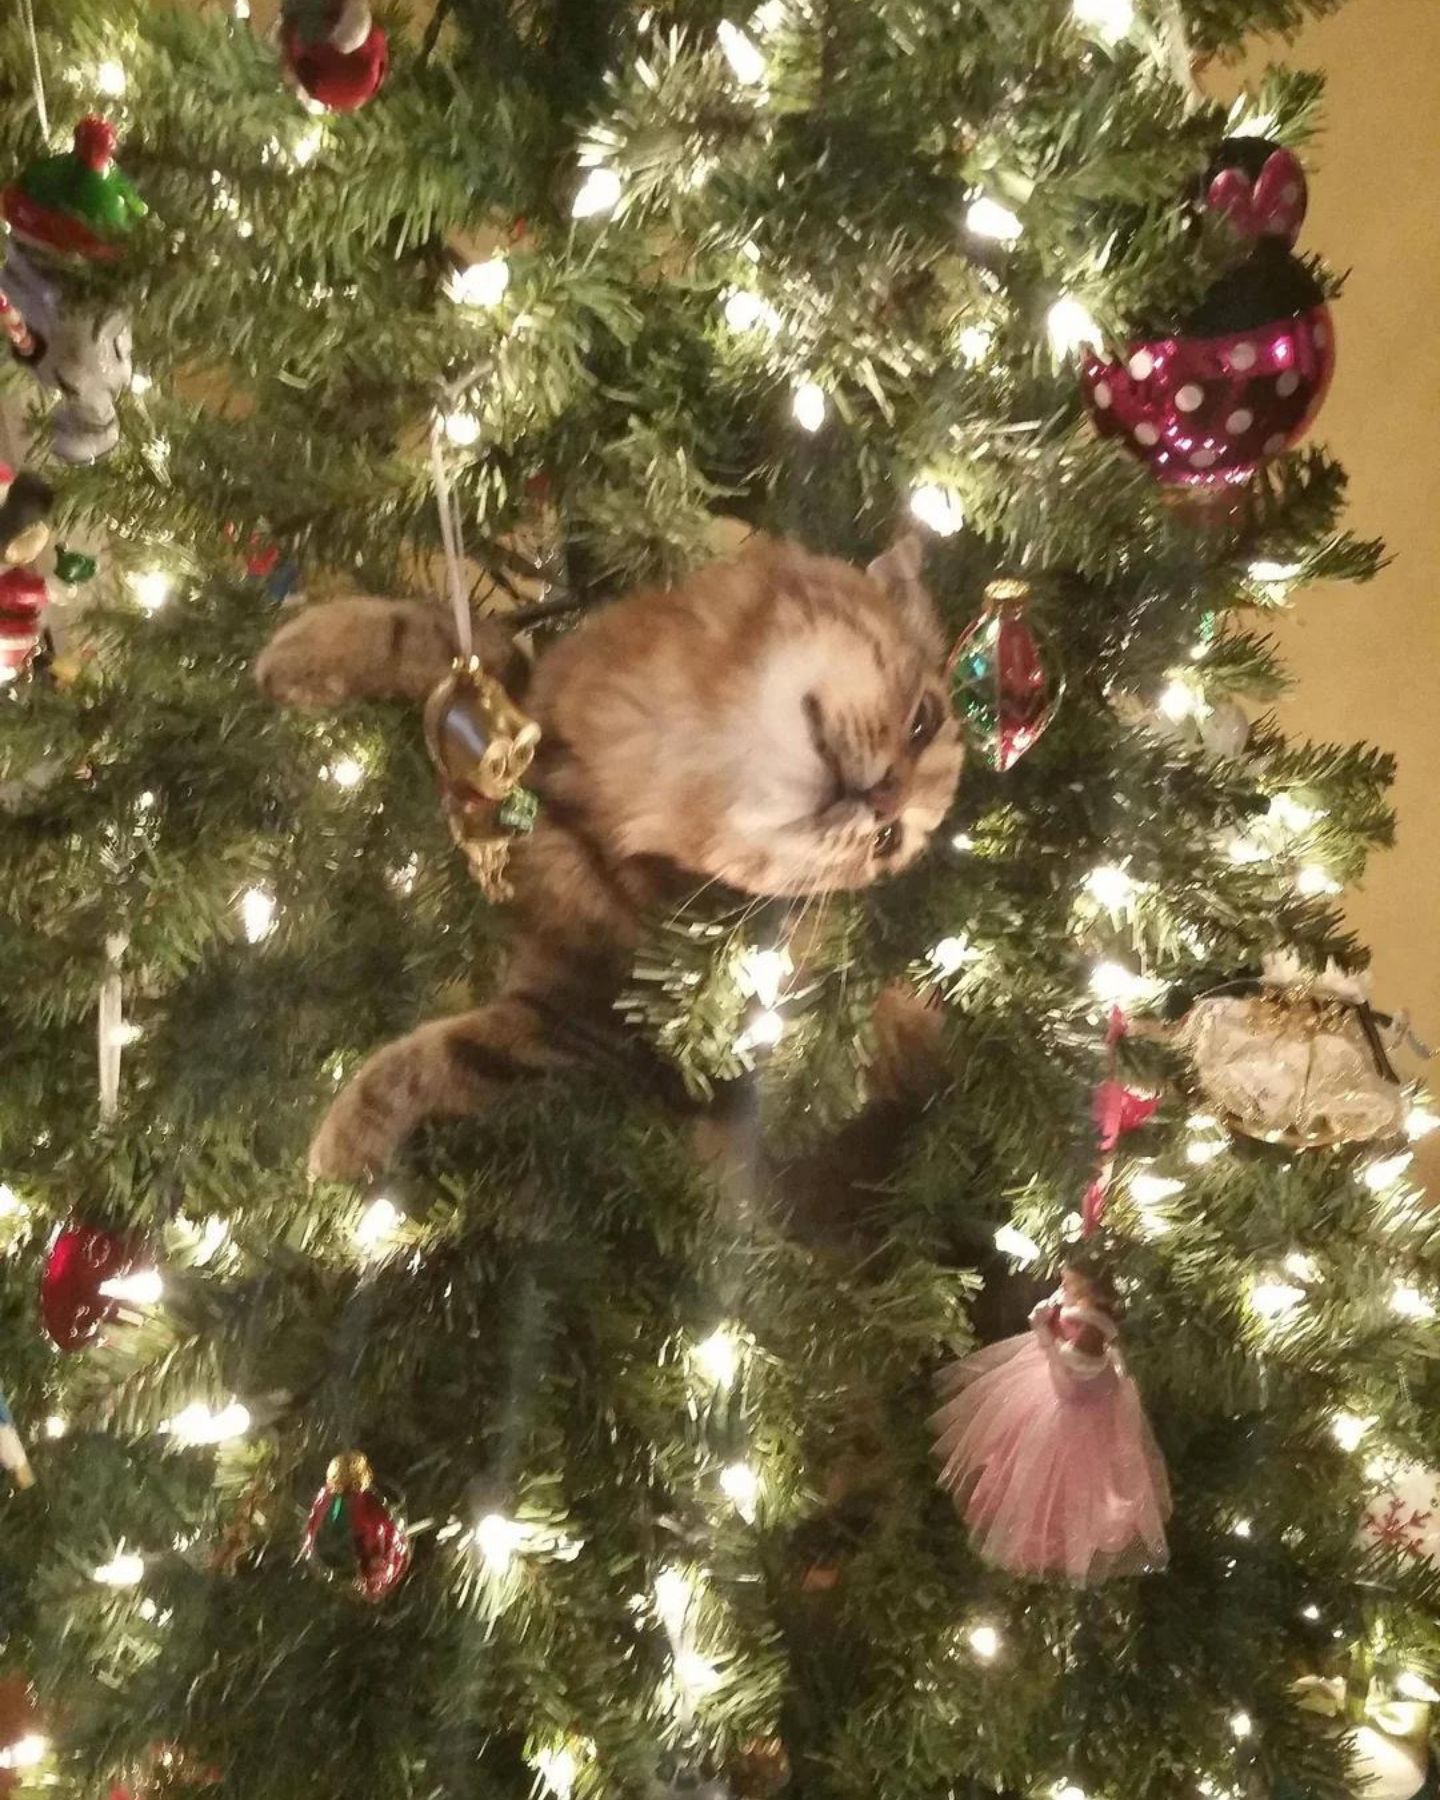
(1243, 378)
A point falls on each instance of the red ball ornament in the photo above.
(333, 51)
(354, 1534)
(71, 1304)
(22, 601)
(1000, 677)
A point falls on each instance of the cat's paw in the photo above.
(353, 1141)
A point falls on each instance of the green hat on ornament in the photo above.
(78, 203)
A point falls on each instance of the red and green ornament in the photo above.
(77, 204)
(333, 51)
(354, 1534)
(1002, 679)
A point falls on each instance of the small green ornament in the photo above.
(73, 566)
(519, 811)
(77, 204)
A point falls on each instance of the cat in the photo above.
(776, 723)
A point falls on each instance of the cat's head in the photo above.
(781, 724)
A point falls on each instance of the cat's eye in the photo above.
(925, 723)
(887, 838)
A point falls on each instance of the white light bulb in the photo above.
(1301, 1266)
(1242, 1528)
(962, 841)
(762, 972)
(1114, 985)
(984, 1641)
(1386, 1173)
(307, 146)
(598, 194)
(56, 1426)
(348, 772)
(1109, 20)
(1153, 1190)
(25, 1752)
(1313, 881)
(557, 1768)
(747, 63)
(144, 1288)
(1110, 886)
(1420, 1121)
(1067, 1790)
(1409, 1303)
(1273, 1299)
(497, 1539)
(745, 311)
(1177, 701)
(1287, 813)
(718, 1357)
(378, 1223)
(696, 1673)
(974, 342)
(938, 508)
(461, 428)
(1011, 1242)
(125, 1034)
(151, 588)
(1268, 573)
(764, 1031)
(1241, 1724)
(257, 914)
(1246, 851)
(1070, 326)
(481, 284)
(987, 218)
(1410, 1685)
(1349, 1430)
(1311, 1612)
(124, 1569)
(110, 79)
(1205, 1150)
(10, 1202)
(240, 8)
(196, 1424)
(740, 1484)
(809, 405)
(952, 954)
(674, 1593)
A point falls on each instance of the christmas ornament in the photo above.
(760, 1769)
(77, 204)
(1000, 677)
(79, 349)
(1405, 1519)
(353, 1533)
(1047, 1449)
(12, 1452)
(22, 602)
(24, 515)
(1389, 1747)
(81, 1259)
(74, 566)
(333, 51)
(685, 1778)
(1295, 1059)
(1243, 377)
(1118, 1110)
(481, 745)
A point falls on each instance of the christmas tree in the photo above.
(584, 1443)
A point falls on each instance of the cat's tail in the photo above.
(368, 649)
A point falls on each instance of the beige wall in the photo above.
(1366, 660)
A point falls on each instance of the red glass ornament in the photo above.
(1000, 677)
(71, 1304)
(22, 602)
(334, 52)
(354, 1534)
(1208, 411)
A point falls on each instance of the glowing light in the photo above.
(1245, 851)
(25, 1752)
(481, 284)
(307, 146)
(1410, 1685)
(962, 841)
(124, 1569)
(718, 1357)
(11, 1204)
(1311, 1612)
(1177, 701)
(1205, 1150)
(498, 1539)
(1241, 1724)
(1242, 1528)
(123, 1035)
(1013, 1243)
(1273, 1299)
(110, 79)
(377, 1225)
(140, 383)
(1110, 886)
(557, 1768)
(257, 914)
(1387, 1172)
(1420, 1121)
(1153, 1190)
(1109, 20)
(1115, 985)
(1070, 327)
(143, 1288)
(1287, 813)
(984, 1640)
(809, 405)
(938, 508)
(461, 428)
(1349, 1430)
(240, 8)
(1301, 1266)
(196, 1424)
(764, 1031)
(745, 311)
(1273, 573)
(151, 588)
(1409, 1303)
(974, 343)
(762, 973)
(740, 1484)
(1313, 881)
(1067, 1790)
(951, 954)
(56, 1426)
(746, 61)
(598, 195)
(696, 1673)
(987, 218)
(674, 1593)
(348, 772)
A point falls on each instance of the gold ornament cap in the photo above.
(478, 738)
(349, 1473)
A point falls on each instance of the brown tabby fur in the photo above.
(776, 723)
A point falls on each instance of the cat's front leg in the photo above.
(448, 1068)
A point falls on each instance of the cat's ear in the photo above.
(899, 571)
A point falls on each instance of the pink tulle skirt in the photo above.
(1057, 1473)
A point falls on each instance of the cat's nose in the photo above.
(887, 796)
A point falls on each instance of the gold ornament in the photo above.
(482, 745)
(349, 1473)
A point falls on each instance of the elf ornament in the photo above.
(72, 1304)
(481, 745)
(353, 1533)
(1241, 380)
(1047, 1451)
(24, 535)
(76, 206)
(333, 51)
(1001, 678)
(79, 348)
